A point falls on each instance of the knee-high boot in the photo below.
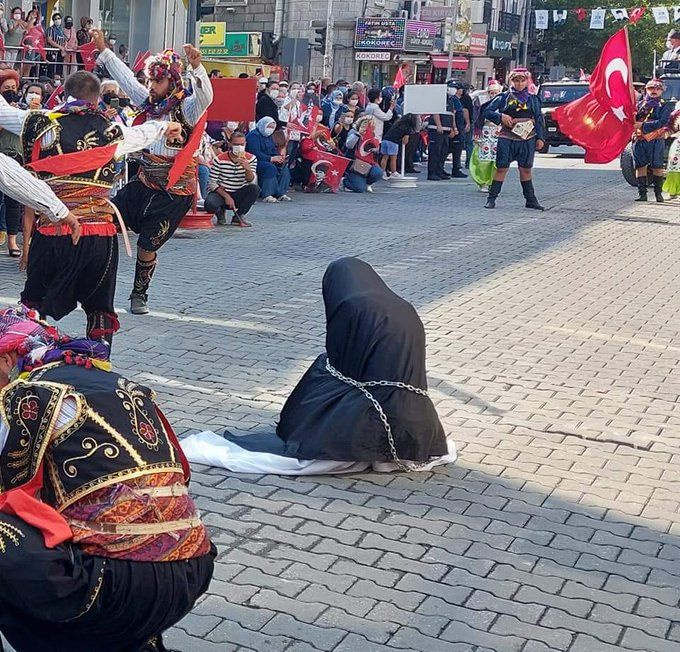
(143, 274)
(658, 188)
(642, 189)
(530, 196)
(494, 191)
(101, 326)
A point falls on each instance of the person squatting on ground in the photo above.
(651, 128)
(148, 206)
(74, 149)
(233, 183)
(102, 546)
(522, 132)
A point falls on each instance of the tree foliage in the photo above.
(575, 45)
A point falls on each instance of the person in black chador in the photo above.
(362, 403)
(651, 119)
(522, 133)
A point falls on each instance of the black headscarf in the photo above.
(371, 334)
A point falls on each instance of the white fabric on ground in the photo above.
(212, 450)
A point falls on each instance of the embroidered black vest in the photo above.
(73, 132)
(114, 436)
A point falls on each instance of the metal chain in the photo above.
(378, 408)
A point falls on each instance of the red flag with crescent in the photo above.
(307, 118)
(55, 99)
(367, 146)
(602, 120)
(326, 172)
(87, 52)
(140, 59)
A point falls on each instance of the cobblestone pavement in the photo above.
(553, 348)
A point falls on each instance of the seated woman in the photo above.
(363, 403)
(361, 174)
(317, 141)
(272, 171)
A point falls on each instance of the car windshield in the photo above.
(562, 94)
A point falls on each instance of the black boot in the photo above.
(143, 275)
(530, 196)
(494, 191)
(642, 189)
(101, 326)
(658, 189)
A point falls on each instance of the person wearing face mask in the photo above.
(333, 108)
(311, 97)
(110, 102)
(521, 133)
(341, 129)
(379, 116)
(33, 97)
(290, 112)
(266, 105)
(56, 39)
(233, 183)
(33, 45)
(16, 28)
(70, 46)
(363, 172)
(352, 104)
(226, 130)
(485, 133)
(651, 120)
(272, 171)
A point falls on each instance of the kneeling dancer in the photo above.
(362, 403)
(151, 203)
(102, 547)
(651, 129)
(522, 133)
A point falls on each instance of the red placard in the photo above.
(234, 100)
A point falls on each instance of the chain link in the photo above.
(404, 466)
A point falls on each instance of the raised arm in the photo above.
(196, 104)
(123, 75)
(12, 118)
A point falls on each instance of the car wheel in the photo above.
(628, 166)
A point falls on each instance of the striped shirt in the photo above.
(230, 176)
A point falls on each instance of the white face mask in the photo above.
(112, 41)
(450, 92)
(354, 102)
(238, 149)
(337, 102)
(17, 15)
(57, 22)
(32, 96)
(232, 125)
(269, 131)
(273, 94)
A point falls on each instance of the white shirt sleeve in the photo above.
(29, 190)
(198, 102)
(140, 137)
(12, 118)
(124, 76)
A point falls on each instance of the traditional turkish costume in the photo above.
(73, 149)
(101, 546)
(363, 402)
(154, 202)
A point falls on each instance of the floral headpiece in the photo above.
(654, 83)
(519, 73)
(164, 64)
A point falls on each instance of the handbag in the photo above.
(360, 167)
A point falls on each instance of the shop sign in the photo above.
(235, 45)
(420, 36)
(435, 13)
(212, 34)
(461, 34)
(500, 45)
(478, 44)
(380, 33)
(372, 56)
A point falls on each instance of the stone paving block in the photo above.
(316, 560)
(586, 643)
(604, 631)
(529, 613)
(181, 641)
(558, 639)
(331, 580)
(196, 625)
(410, 639)
(322, 638)
(430, 567)
(256, 577)
(590, 562)
(378, 632)
(346, 537)
(462, 633)
(302, 611)
(354, 642)
(351, 604)
(248, 617)
(532, 595)
(377, 575)
(603, 613)
(637, 640)
(425, 624)
(230, 632)
(366, 556)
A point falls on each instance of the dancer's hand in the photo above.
(539, 145)
(193, 55)
(98, 38)
(173, 131)
(507, 120)
(74, 225)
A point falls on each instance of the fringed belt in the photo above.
(154, 171)
(137, 529)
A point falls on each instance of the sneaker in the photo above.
(138, 304)
(483, 188)
(385, 176)
(347, 189)
(396, 175)
(459, 174)
(369, 189)
(285, 198)
(270, 200)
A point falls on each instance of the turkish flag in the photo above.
(140, 60)
(327, 171)
(367, 146)
(306, 119)
(87, 52)
(602, 120)
(56, 97)
(636, 14)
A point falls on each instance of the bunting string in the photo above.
(662, 15)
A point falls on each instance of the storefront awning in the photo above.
(459, 63)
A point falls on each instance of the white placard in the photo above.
(661, 15)
(541, 19)
(420, 98)
(597, 18)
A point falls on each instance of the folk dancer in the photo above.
(149, 207)
(522, 132)
(651, 130)
(102, 546)
(74, 149)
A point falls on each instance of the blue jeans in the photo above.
(468, 144)
(203, 176)
(358, 183)
(274, 180)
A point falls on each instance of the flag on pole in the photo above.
(399, 79)
(602, 120)
(55, 99)
(89, 56)
(367, 146)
